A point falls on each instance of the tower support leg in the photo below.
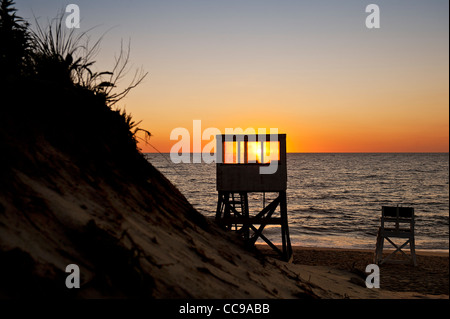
(230, 217)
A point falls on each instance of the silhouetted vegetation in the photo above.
(59, 52)
(15, 41)
(47, 77)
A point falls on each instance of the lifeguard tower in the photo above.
(246, 164)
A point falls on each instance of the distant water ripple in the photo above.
(334, 200)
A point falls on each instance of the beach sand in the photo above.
(429, 278)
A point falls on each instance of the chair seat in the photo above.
(400, 233)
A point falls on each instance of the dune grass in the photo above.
(54, 56)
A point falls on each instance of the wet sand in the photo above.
(431, 276)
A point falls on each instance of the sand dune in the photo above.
(78, 192)
(138, 240)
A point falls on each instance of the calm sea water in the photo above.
(334, 200)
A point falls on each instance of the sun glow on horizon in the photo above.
(251, 152)
(320, 76)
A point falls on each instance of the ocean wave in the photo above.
(342, 195)
(371, 176)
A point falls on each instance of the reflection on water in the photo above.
(334, 200)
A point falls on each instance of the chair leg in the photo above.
(412, 246)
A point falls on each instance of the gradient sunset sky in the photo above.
(309, 68)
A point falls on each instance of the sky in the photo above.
(311, 69)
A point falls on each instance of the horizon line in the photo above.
(323, 153)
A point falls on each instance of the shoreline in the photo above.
(430, 277)
(421, 252)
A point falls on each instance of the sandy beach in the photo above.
(430, 277)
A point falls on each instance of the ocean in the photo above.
(335, 199)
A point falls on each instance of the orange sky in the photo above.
(350, 114)
(331, 85)
(311, 69)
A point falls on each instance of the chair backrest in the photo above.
(397, 215)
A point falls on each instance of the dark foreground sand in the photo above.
(430, 277)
